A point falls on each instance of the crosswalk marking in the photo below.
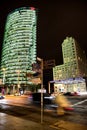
(79, 103)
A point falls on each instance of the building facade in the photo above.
(71, 73)
(19, 45)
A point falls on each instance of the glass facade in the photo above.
(19, 45)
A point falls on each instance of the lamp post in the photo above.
(3, 75)
(18, 72)
(49, 87)
(41, 60)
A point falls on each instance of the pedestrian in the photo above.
(62, 103)
(3, 91)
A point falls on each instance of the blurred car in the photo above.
(82, 93)
(36, 99)
(2, 97)
(48, 101)
(71, 94)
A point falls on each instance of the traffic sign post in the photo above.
(41, 60)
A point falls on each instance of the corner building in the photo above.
(70, 75)
(19, 46)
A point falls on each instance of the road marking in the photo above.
(79, 103)
(67, 125)
(58, 125)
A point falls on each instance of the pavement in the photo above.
(9, 122)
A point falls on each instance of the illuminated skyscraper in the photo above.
(74, 59)
(19, 45)
(69, 76)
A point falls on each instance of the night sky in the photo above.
(57, 19)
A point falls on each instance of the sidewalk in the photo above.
(9, 122)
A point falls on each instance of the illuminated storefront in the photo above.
(69, 85)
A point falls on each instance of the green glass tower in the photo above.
(19, 45)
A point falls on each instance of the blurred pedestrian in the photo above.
(3, 91)
(62, 103)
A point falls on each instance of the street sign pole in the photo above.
(41, 60)
(42, 91)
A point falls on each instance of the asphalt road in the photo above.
(20, 106)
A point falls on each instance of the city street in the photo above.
(20, 107)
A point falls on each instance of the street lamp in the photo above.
(18, 72)
(41, 60)
(3, 69)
